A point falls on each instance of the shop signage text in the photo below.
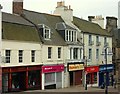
(92, 69)
(73, 67)
(48, 69)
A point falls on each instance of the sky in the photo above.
(81, 8)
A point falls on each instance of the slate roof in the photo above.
(89, 27)
(50, 21)
(16, 28)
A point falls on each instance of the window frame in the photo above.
(7, 56)
(59, 52)
(49, 52)
(20, 56)
(32, 55)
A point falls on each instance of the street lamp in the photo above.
(104, 52)
(85, 60)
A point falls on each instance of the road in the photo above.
(70, 90)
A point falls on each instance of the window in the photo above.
(97, 39)
(33, 56)
(105, 40)
(20, 53)
(75, 53)
(71, 35)
(47, 33)
(49, 52)
(90, 54)
(90, 39)
(97, 54)
(59, 52)
(7, 56)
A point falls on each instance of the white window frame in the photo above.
(20, 56)
(47, 35)
(70, 35)
(90, 54)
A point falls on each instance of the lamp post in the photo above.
(105, 53)
(85, 59)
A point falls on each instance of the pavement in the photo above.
(72, 90)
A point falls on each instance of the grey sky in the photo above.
(81, 8)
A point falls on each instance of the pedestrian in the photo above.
(115, 82)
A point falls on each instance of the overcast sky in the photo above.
(81, 8)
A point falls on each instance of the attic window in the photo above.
(71, 35)
(47, 34)
(45, 31)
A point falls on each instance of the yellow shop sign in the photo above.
(73, 67)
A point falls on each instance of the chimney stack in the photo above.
(90, 18)
(17, 7)
(111, 23)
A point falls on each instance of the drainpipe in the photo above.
(0, 49)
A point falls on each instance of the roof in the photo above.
(89, 27)
(14, 18)
(50, 21)
(13, 31)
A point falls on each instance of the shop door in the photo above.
(71, 78)
(59, 80)
(78, 77)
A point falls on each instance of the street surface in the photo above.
(70, 90)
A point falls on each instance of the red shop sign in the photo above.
(92, 69)
(48, 69)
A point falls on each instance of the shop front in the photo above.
(52, 76)
(75, 73)
(109, 76)
(91, 75)
(21, 78)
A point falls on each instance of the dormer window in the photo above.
(45, 31)
(71, 35)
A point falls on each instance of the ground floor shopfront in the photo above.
(110, 74)
(52, 76)
(75, 73)
(91, 76)
(21, 78)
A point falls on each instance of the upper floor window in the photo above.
(105, 40)
(97, 39)
(7, 55)
(90, 54)
(20, 54)
(90, 42)
(47, 33)
(49, 52)
(97, 54)
(59, 52)
(33, 56)
(71, 35)
(75, 53)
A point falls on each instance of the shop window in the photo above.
(49, 78)
(33, 78)
(95, 78)
(7, 55)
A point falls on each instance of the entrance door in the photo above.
(71, 78)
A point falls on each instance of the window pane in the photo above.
(33, 55)
(49, 52)
(7, 55)
(20, 56)
(59, 52)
